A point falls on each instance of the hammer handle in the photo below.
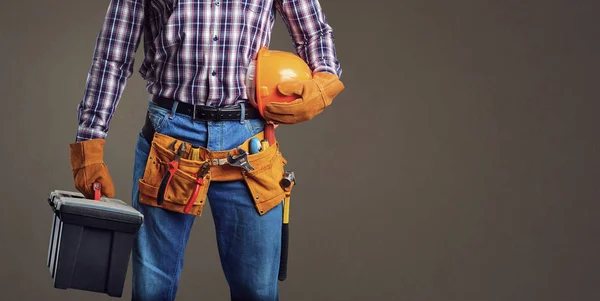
(270, 133)
(285, 230)
(284, 252)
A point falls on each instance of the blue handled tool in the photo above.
(254, 146)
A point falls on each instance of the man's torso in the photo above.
(198, 51)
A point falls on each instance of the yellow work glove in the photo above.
(315, 95)
(88, 167)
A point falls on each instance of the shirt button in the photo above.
(215, 38)
(214, 73)
(217, 3)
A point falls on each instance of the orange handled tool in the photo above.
(270, 133)
(199, 182)
(97, 192)
(173, 166)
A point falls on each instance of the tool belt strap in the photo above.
(263, 181)
(220, 170)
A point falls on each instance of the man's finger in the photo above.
(289, 88)
(280, 118)
(108, 189)
(285, 107)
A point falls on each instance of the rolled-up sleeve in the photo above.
(311, 34)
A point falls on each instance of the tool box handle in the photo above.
(97, 193)
(51, 202)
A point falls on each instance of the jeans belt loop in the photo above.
(173, 109)
(243, 113)
(218, 114)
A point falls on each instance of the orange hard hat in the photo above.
(269, 69)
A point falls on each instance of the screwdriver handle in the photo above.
(254, 146)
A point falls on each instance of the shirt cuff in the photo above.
(85, 133)
(327, 69)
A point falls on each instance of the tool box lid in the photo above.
(75, 203)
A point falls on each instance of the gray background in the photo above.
(460, 163)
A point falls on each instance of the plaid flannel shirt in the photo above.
(195, 51)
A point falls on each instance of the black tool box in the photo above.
(91, 242)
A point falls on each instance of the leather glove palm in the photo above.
(88, 167)
(315, 95)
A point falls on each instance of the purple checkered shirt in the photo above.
(194, 51)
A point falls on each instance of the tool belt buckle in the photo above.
(219, 162)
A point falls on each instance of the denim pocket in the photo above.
(158, 116)
(254, 126)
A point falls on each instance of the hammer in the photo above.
(289, 178)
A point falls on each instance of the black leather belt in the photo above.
(207, 113)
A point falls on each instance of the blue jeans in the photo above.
(248, 244)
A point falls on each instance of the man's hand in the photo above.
(315, 95)
(88, 167)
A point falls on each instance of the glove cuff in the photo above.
(329, 85)
(86, 153)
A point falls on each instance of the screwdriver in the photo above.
(264, 145)
(254, 146)
(195, 153)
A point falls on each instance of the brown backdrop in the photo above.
(460, 163)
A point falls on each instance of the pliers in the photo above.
(173, 166)
(199, 182)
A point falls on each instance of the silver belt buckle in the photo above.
(194, 112)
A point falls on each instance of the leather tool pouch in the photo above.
(262, 182)
(183, 183)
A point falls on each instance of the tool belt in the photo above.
(263, 180)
